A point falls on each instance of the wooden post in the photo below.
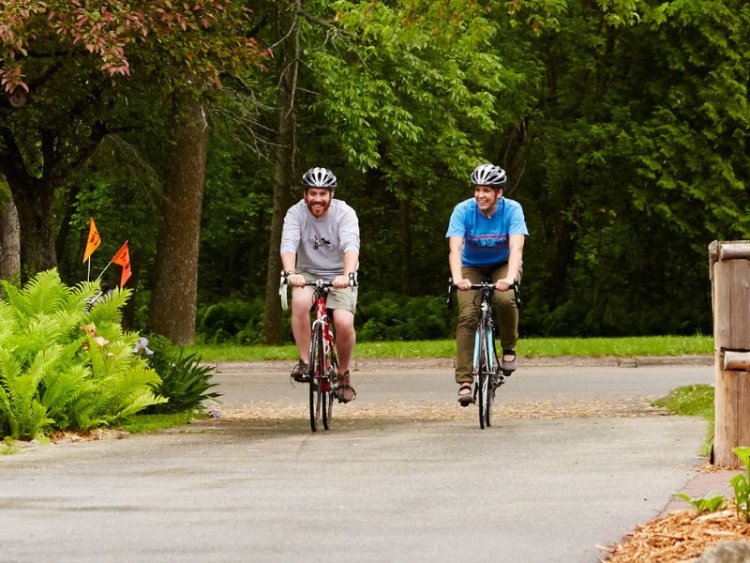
(729, 268)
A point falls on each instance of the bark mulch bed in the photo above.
(680, 536)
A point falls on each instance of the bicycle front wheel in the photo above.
(484, 391)
(317, 375)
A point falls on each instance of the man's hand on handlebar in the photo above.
(463, 284)
(296, 280)
(340, 282)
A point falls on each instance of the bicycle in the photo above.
(322, 365)
(486, 370)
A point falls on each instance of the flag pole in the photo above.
(109, 263)
(104, 270)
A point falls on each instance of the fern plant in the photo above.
(184, 378)
(63, 366)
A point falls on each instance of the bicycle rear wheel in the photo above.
(317, 360)
(329, 391)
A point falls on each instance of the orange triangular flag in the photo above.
(122, 258)
(93, 242)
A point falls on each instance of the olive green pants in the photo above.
(469, 315)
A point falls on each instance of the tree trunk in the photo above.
(407, 276)
(35, 206)
(175, 284)
(562, 249)
(10, 243)
(285, 168)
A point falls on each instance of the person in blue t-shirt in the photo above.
(486, 235)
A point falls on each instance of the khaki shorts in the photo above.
(338, 298)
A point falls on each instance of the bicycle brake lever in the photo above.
(517, 295)
(283, 293)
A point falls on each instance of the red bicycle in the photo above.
(322, 365)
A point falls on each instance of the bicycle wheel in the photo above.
(483, 381)
(491, 365)
(329, 394)
(316, 393)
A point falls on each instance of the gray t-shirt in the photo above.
(320, 244)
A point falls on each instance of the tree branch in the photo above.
(319, 21)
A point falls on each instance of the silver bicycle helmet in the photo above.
(489, 175)
(319, 178)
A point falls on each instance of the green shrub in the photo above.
(235, 320)
(184, 380)
(65, 364)
(391, 317)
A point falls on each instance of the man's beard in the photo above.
(318, 210)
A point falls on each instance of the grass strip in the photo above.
(527, 347)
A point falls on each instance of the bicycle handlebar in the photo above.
(319, 283)
(485, 285)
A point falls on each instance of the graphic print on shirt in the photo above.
(317, 242)
(487, 241)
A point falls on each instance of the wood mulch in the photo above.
(679, 537)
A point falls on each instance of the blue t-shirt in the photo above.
(486, 239)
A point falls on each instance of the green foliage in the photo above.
(233, 320)
(711, 502)
(185, 381)
(64, 366)
(396, 317)
(623, 126)
(741, 484)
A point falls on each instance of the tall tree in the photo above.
(175, 281)
(56, 63)
(287, 60)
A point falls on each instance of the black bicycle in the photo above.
(486, 366)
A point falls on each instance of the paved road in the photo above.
(542, 485)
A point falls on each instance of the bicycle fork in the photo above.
(497, 379)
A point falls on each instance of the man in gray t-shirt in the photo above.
(320, 239)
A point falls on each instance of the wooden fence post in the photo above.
(729, 268)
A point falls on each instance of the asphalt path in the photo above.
(404, 475)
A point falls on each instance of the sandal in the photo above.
(344, 391)
(465, 394)
(508, 366)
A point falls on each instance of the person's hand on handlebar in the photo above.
(463, 284)
(340, 282)
(504, 284)
(296, 280)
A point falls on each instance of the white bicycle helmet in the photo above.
(489, 175)
(319, 178)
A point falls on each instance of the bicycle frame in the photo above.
(322, 323)
(485, 330)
